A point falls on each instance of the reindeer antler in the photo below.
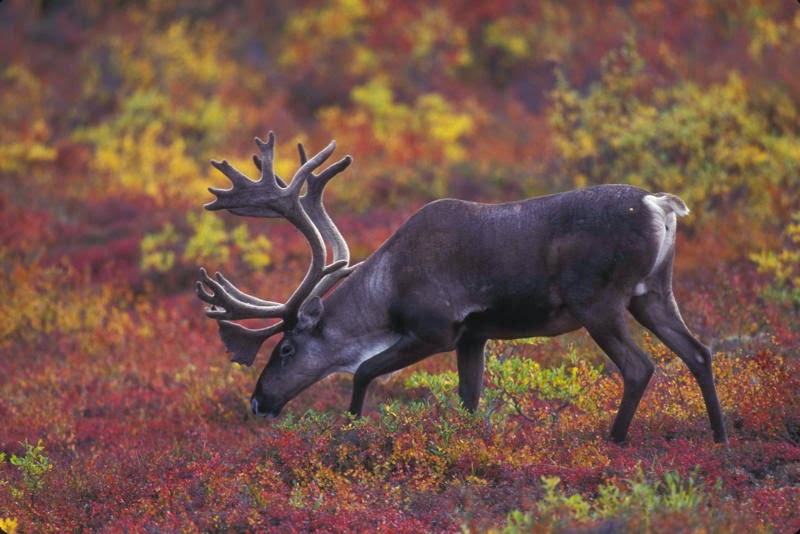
(314, 207)
(271, 197)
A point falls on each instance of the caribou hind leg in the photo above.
(658, 312)
(606, 325)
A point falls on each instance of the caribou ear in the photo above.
(310, 314)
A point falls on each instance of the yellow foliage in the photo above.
(17, 157)
(22, 101)
(508, 33)
(444, 125)
(8, 525)
(156, 255)
(783, 265)
(25, 135)
(435, 31)
(590, 454)
(525, 38)
(314, 31)
(339, 19)
(169, 114)
(205, 241)
(714, 146)
(255, 251)
(771, 34)
(146, 162)
(427, 136)
(209, 239)
(37, 302)
(145, 148)
(186, 54)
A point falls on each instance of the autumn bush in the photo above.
(119, 409)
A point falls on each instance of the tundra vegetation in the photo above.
(119, 409)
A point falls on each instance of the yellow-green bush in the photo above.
(728, 145)
(513, 383)
(205, 240)
(157, 148)
(39, 302)
(25, 133)
(168, 115)
(9, 525)
(422, 140)
(638, 501)
(783, 266)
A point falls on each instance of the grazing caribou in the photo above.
(453, 276)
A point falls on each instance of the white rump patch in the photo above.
(665, 209)
(667, 203)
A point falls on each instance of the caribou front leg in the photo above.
(407, 350)
(470, 356)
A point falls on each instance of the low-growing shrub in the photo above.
(632, 503)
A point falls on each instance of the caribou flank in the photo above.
(453, 276)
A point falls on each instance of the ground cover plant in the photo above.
(119, 410)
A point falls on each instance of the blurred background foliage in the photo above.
(119, 106)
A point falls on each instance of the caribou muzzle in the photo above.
(266, 406)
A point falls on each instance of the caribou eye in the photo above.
(286, 351)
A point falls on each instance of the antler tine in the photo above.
(278, 180)
(228, 304)
(307, 168)
(268, 197)
(241, 295)
(238, 180)
(267, 150)
(313, 204)
(318, 283)
(272, 197)
(317, 266)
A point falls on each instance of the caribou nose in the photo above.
(265, 406)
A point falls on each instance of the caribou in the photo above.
(453, 276)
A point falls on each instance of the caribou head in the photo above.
(299, 353)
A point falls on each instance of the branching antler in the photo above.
(314, 207)
(271, 197)
(228, 302)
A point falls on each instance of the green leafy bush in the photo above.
(636, 501)
(515, 383)
(34, 466)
